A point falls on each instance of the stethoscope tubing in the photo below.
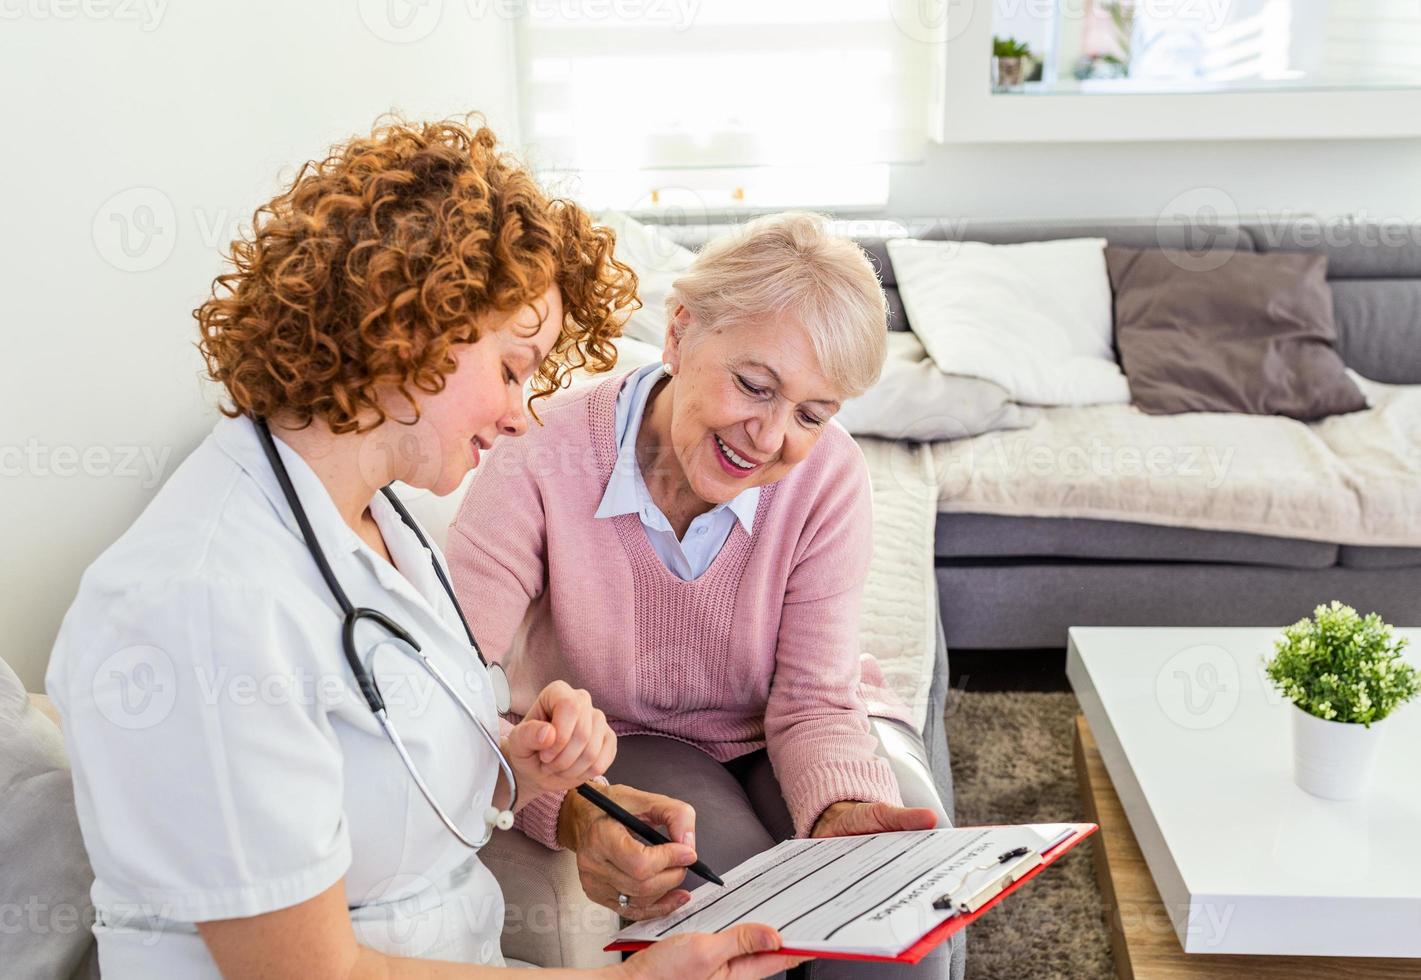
(368, 687)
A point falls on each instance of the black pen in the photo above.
(647, 833)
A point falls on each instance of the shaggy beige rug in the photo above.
(1012, 763)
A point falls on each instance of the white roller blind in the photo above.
(724, 83)
(1373, 41)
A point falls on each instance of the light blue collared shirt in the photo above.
(627, 492)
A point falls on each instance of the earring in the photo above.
(668, 367)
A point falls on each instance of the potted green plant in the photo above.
(1344, 673)
(1009, 57)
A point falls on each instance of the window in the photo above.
(725, 104)
(1125, 46)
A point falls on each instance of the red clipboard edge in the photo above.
(940, 932)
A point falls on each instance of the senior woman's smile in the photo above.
(750, 402)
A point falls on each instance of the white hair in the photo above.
(789, 266)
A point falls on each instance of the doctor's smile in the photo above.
(351, 733)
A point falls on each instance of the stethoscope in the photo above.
(493, 816)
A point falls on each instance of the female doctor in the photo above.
(285, 743)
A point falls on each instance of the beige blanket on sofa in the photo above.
(1351, 479)
(898, 618)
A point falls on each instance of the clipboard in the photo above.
(939, 933)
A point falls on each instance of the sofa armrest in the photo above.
(548, 920)
(935, 728)
(45, 707)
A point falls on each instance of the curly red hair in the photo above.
(382, 256)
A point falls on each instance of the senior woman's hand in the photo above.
(850, 818)
(612, 862)
(561, 743)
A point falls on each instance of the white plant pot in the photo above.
(1333, 759)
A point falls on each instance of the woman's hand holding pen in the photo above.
(561, 743)
(612, 862)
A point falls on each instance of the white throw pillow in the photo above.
(915, 401)
(1034, 317)
(657, 261)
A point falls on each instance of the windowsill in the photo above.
(1160, 86)
(701, 196)
(745, 212)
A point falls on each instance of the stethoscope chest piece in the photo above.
(502, 693)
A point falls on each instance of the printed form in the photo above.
(869, 895)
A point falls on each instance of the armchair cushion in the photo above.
(46, 873)
(548, 920)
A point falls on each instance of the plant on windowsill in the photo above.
(1343, 673)
(1009, 57)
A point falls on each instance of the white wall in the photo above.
(203, 103)
(1378, 178)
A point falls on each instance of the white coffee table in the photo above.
(1198, 749)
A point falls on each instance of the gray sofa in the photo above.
(1011, 582)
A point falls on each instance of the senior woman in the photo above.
(692, 551)
(255, 675)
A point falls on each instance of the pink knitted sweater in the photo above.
(760, 650)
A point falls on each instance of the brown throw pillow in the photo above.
(1254, 335)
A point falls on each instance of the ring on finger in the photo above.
(623, 901)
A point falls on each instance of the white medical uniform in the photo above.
(224, 761)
